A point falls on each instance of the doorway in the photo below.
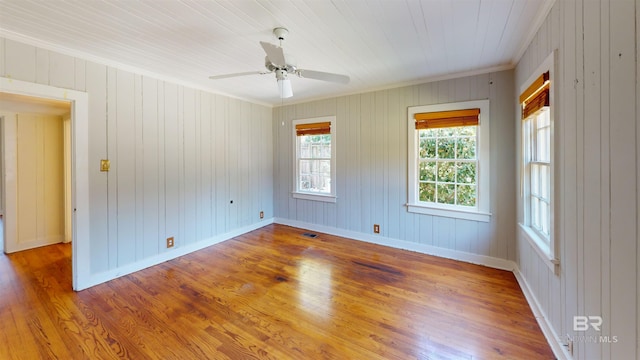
(74, 226)
(36, 158)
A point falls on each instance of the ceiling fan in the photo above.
(275, 62)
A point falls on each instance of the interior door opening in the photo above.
(82, 276)
(35, 196)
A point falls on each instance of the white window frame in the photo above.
(306, 195)
(481, 212)
(545, 248)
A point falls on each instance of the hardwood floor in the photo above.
(269, 294)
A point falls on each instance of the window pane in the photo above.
(316, 151)
(428, 148)
(542, 146)
(544, 182)
(323, 167)
(466, 195)
(466, 148)
(427, 192)
(466, 172)
(534, 180)
(446, 193)
(446, 148)
(535, 212)
(543, 119)
(446, 171)
(445, 132)
(428, 133)
(305, 182)
(467, 131)
(305, 167)
(326, 151)
(544, 218)
(305, 147)
(427, 171)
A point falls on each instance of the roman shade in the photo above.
(442, 119)
(536, 96)
(320, 128)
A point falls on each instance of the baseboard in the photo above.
(555, 341)
(489, 261)
(103, 277)
(35, 243)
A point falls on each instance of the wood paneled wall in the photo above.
(39, 179)
(179, 156)
(371, 144)
(598, 147)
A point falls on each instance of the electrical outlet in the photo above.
(261, 214)
(170, 242)
(376, 229)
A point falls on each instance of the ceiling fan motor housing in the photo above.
(272, 67)
(281, 74)
(280, 33)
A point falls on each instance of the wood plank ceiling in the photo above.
(378, 43)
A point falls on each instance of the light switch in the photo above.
(104, 165)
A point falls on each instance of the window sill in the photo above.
(541, 247)
(451, 213)
(314, 197)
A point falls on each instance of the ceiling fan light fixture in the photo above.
(284, 88)
(284, 84)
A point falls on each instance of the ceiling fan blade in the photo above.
(325, 76)
(224, 76)
(274, 53)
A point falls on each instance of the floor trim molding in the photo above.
(489, 261)
(105, 276)
(555, 341)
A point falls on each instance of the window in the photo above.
(537, 130)
(315, 159)
(537, 161)
(449, 160)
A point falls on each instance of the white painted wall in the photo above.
(372, 167)
(35, 160)
(178, 158)
(597, 148)
(39, 180)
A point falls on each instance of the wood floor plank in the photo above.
(269, 294)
